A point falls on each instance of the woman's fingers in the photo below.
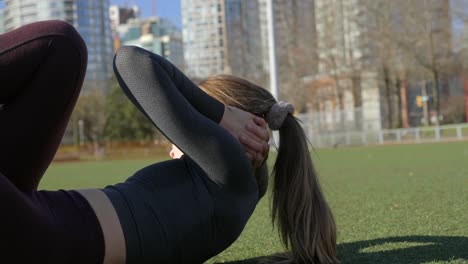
(251, 145)
(256, 151)
(260, 121)
(252, 132)
(259, 130)
(257, 140)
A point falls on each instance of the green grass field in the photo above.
(394, 204)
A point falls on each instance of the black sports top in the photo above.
(190, 209)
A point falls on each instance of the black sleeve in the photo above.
(186, 115)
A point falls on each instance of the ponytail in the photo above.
(300, 211)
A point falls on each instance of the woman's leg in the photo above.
(42, 67)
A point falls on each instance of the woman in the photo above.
(227, 194)
(42, 67)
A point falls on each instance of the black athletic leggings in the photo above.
(42, 67)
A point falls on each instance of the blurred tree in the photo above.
(454, 110)
(338, 58)
(90, 110)
(388, 60)
(412, 42)
(124, 120)
(426, 37)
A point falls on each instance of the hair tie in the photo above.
(278, 113)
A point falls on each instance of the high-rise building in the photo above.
(172, 48)
(342, 30)
(2, 22)
(135, 28)
(158, 35)
(222, 36)
(119, 15)
(89, 17)
(204, 36)
(19, 13)
(93, 23)
(244, 43)
(295, 39)
(263, 20)
(344, 53)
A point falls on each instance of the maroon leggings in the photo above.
(42, 67)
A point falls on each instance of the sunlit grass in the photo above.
(396, 204)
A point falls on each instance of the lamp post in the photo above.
(81, 131)
(465, 84)
(274, 86)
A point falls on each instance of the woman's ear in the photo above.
(175, 152)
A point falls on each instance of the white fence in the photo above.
(325, 132)
(333, 120)
(348, 128)
(388, 136)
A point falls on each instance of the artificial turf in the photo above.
(392, 204)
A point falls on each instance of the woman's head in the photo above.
(299, 209)
(237, 92)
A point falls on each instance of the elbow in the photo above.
(126, 58)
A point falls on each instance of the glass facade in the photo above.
(204, 36)
(172, 48)
(90, 18)
(151, 44)
(222, 36)
(21, 12)
(134, 32)
(155, 34)
(343, 30)
(2, 25)
(93, 23)
(244, 39)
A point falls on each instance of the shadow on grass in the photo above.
(393, 250)
(246, 261)
(406, 249)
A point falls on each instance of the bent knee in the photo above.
(61, 29)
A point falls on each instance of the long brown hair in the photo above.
(299, 210)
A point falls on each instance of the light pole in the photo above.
(465, 84)
(425, 99)
(81, 131)
(274, 85)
